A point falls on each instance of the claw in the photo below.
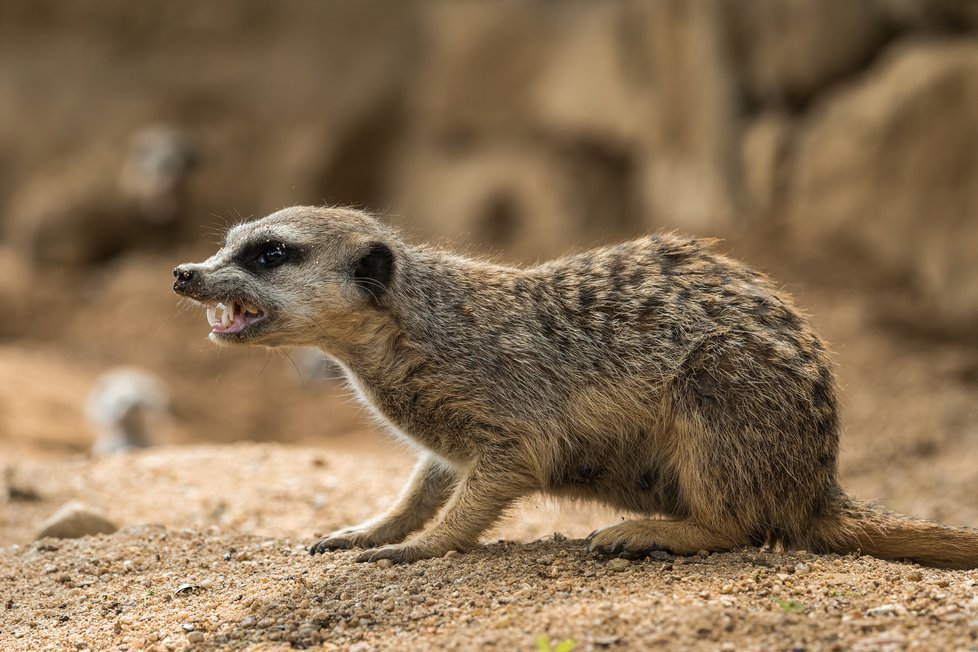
(398, 553)
(394, 553)
(609, 549)
(613, 549)
(366, 556)
(325, 544)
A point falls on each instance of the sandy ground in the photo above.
(212, 555)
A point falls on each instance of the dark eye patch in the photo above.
(268, 254)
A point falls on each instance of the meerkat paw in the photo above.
(644, 536)
(403, 553)
(623, 537)
(360, 536)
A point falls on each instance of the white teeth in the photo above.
(250, 308)
(228, 311)
(224, 315)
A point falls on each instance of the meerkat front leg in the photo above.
(481, 495)
(430, 485)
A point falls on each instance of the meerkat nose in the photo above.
(185, 277)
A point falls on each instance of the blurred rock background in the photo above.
(523, 128)
(833, 143)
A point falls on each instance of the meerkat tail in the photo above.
(860, 526)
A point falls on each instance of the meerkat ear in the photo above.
(374, 270)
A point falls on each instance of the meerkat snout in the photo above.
(185, 278)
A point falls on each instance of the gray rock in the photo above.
(788, 51)
(888, 167)
(75, 520)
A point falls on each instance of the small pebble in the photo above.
(618, 564)
(195, 637)
(384, 563)
(884, 610)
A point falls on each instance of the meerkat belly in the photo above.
(624, 479)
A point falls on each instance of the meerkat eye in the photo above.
(273, 255)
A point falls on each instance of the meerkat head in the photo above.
(303, 276)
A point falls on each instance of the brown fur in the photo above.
(654, 376)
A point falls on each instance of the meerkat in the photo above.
(123, 406)
(655, 376)
(97, 207)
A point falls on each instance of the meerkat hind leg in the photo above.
(427, 490)
(680, 537)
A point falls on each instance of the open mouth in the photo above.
(233, 316)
